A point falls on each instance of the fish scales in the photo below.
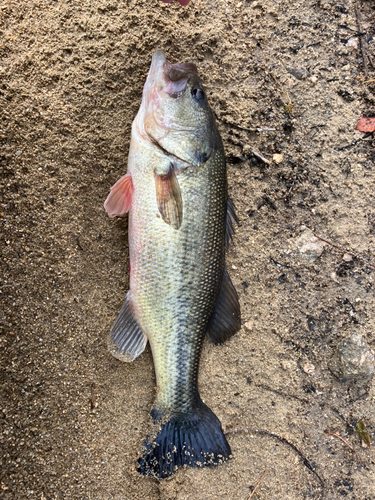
(176, 193)
(175, 278)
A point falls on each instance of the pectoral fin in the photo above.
(226, 318)
(119, 200)
(168, 196)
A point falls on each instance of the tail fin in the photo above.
(194, 438)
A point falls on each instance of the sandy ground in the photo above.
(71, 77)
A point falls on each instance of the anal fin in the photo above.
(226, 318)
(126, 340)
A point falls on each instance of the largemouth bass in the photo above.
(180, 218)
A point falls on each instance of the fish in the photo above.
(180, 222)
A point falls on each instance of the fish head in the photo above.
(175, 115)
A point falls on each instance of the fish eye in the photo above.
(197, 93)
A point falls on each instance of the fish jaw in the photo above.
(164, 80)
(170, 116)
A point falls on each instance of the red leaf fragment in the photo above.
(366, 124)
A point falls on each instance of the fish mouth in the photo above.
(164, 81)
(172, 78)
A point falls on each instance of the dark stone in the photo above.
(353, 359)
(298, 73)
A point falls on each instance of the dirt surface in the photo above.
(71, 76)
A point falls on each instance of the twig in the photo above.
(254, 153)
(258, 483)
(260, 157)
(284, 394)
(266, 201)
(348, 167)
(344, 146)
(92, 402)
(231, 124)
(361, 40)
(313, 44)
(354, 141)
(306, 463)
(353, 254)
(319, 125)
(348, 424)
(347, 444)
(359, 32)
(79, 244)
(246, 129)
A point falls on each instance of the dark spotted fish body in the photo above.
(179, 217)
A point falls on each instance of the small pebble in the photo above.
(309, 246)
(308, 368)
(249, 325)
(298, 73)
(353, 359)
(277, 158)
(352, 42)
(334, 277)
